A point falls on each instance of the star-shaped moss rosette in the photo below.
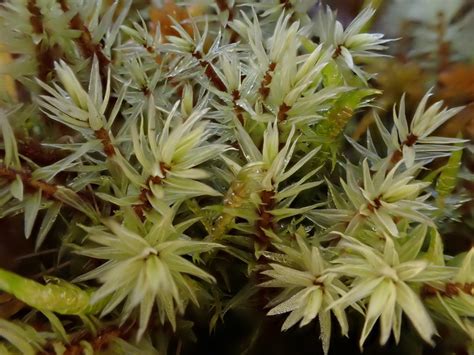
(308, 288)
(153, 260)
(387, 284)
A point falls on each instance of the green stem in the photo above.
(58, 296)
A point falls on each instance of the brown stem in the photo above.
(87, 46)
(283, 112)
(37, 153)
(224, 6)
(398, 154)
(104, 137)
(451, 289)
(265, 221)
(209, 71)
(10, 174)
(264, 89)
(237, 109)
(375, 205)
(47, 189)
(286, 4)
(337, 52)
(45, 55)
(99, 342)
(145, 204)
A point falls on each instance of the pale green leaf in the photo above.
(32, 206)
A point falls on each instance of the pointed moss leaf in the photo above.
(16, 188)
(32, 206)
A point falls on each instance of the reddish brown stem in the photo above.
(104, 137)
(210, 72)
(10, 174)
(265, 221)
(84, 41)
(99, 343)
(45, 55)
(283, 112)
(376, 205)
(224, 6)
(264, 89)
(42, 156)
(286, 4)
(145, 204)
(337, 52)
(237, 109)
(398, 154)
(451, 289)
